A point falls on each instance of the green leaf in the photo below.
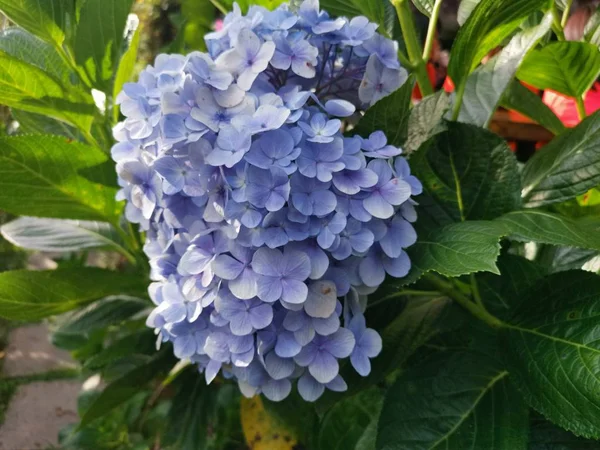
(502, 293)
(101, 314)
(127, 386)
(459, 249)
(30, 49)
(465, 8)
(49, 176)
(33, 295)
(421, 319)
(592, 29)
(141, 342)
(489, 24)
(345, 426)
(390, 115)
(426, 120)
(467, 173)
(47, 19)
(548, 228)
(486, 85)
(425, 6)
(56, 235)
(569, 258)
(31, 123)
(569, 166)
(456, 401)
(553, 350)
(521, 99)
(192, 412)
(99, 37)
(546, 436)
(373, 9)
(566, 67)
(27, 87)
(125, 70)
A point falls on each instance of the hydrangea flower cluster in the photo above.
(265, 224)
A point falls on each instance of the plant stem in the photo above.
(556, 27)
(413, 47)
(580, 107)
(435, 13)
(565, 16)
(464, 301)
(460, 93)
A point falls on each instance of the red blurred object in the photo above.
(565, 107)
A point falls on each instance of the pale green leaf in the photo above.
(33, 295)
(569, 166)
(49, 176)
(426, 120)
(425, 6)
(566, 67)
(486, 85)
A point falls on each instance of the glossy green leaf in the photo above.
(30, 88)
(553, 350)
(489, 24)
(459, 249)
(425, 6)
(30, 49)
(547, 228)
(101, 314)
(56, 235)
(546, 436)
(522, 100)
(125, 70)
(390, 115)
(48, 19)
(456, 401)
(49, 176)
(467, 173)
(347, 424)
(592, 29)
(33, 295)
(566, 67)
(426, 120)
(141, 343)
(503, 293)
(569, 166)
(98, 40)
(465, 8)
(569, 258)
(31, 123)
(486, 85)
(126, 387)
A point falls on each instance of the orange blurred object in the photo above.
(565, 107)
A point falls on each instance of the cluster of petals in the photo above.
(266, 226)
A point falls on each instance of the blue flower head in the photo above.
(264, 222)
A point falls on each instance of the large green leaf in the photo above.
(489, 24)
(567, 167)
(426, 120)
(547, 228)
(458, 249)
(125, 70)
(99, 37)
(30, 88)
(347, 425)
(49, 176)
(486, 85)
(56, 235)
(456, 401)
(33, 295)
(566, 67)
(521, 99)
(32, 50)
(127, 386)
(390, 115)
(467, 173)
(553, 350)
(503, 293)
(48, 19)
(31, 123)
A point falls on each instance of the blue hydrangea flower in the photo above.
(264, 222)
